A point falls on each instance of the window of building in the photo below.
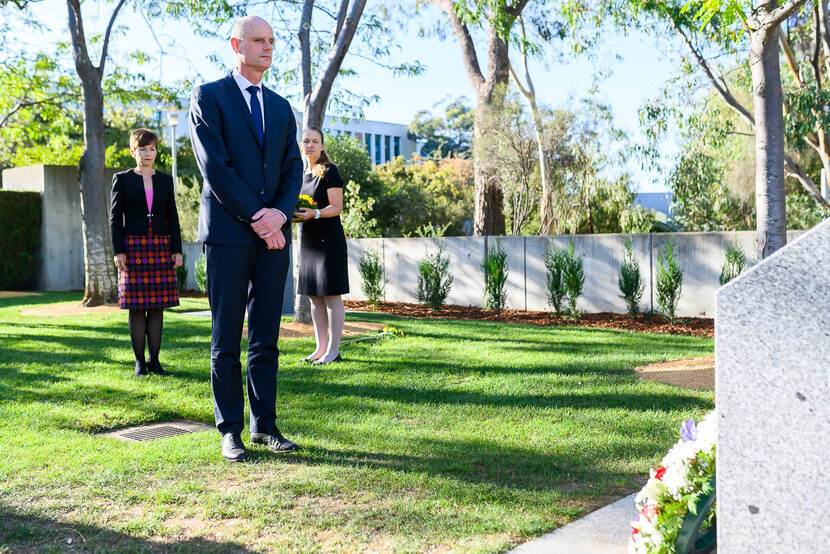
(369, 144)
(377, 150)
(397, 146)
(359, 136)
(387, 150)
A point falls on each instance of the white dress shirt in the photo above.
(243, 84)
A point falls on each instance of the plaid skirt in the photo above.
(150, 280)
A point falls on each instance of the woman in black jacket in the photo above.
(147, 243)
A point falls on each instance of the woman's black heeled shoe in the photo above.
(140, 368)
(155, 367)
(337, 359)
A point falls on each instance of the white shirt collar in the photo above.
(244, 83)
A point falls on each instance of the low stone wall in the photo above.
(700, 256)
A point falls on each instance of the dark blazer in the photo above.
(240, 175)
(128, 214)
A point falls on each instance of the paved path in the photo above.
(604, 531)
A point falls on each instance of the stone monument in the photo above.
(772, 392)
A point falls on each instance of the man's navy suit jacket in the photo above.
(240, 175)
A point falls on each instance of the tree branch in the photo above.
(733, 103)
(344, 40)
(468, 50)
(338, 22)
(789, 56)
(25, 104)
(805, 180)
(779, 14)
(107, 37)
(76, 30)
(727, 96)
(305, 47)
(516, 9)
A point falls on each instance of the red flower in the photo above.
(659, 473)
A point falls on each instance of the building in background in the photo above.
(660, 202)
(383, 140)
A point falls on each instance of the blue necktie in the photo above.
(256, 113)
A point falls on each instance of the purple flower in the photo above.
(688, 430)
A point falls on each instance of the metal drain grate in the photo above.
(155, 431)
(160, 432)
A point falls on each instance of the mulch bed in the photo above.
(643, 323)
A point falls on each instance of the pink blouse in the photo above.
(148, 194)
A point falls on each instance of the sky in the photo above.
(634, 69)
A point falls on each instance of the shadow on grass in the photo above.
(496, 465)
(25, 532)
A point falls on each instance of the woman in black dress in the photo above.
(323, 274)
(147, 243)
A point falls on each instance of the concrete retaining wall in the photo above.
(700, 256)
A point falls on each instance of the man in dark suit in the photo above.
(244, 140)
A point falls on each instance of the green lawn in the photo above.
(462, 436)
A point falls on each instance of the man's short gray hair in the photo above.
(240, 25)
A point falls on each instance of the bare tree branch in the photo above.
(779, 14)
(338, 23)
(105, 48)
(725, 94)
(305, 47)
(462, 33)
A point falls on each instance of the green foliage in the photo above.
(201, 273)
(573, 278)
(428, 230)
(637, 219)
(434, 279)
(181, 274)
(555, 288)
(669, 280)
(447, 136)
(803, 212)
(494, 268)
(351, 157)
(188, 198)
(371, 270)
(20, 221)
(734, 263)
(630, 281)
(702, 202)
(42, 98)
(411, 196)
(356, 219)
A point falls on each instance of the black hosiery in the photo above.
(137, 323)
(155, 320)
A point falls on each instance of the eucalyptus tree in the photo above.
(725, 25)
(495, 19)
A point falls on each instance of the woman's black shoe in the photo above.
(155, 367)
(140, 368)
(337, 359)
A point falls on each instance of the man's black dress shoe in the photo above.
(233, 449)
(274, 440)
(140, 368)
(155, 367)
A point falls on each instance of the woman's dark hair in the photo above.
(318, 169)
(143, 137)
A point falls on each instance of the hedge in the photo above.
(20, 221)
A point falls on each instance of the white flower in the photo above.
(676, 477)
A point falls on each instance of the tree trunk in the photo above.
(488, 218)
(100, 276)
(316, 99)
(769, 141)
